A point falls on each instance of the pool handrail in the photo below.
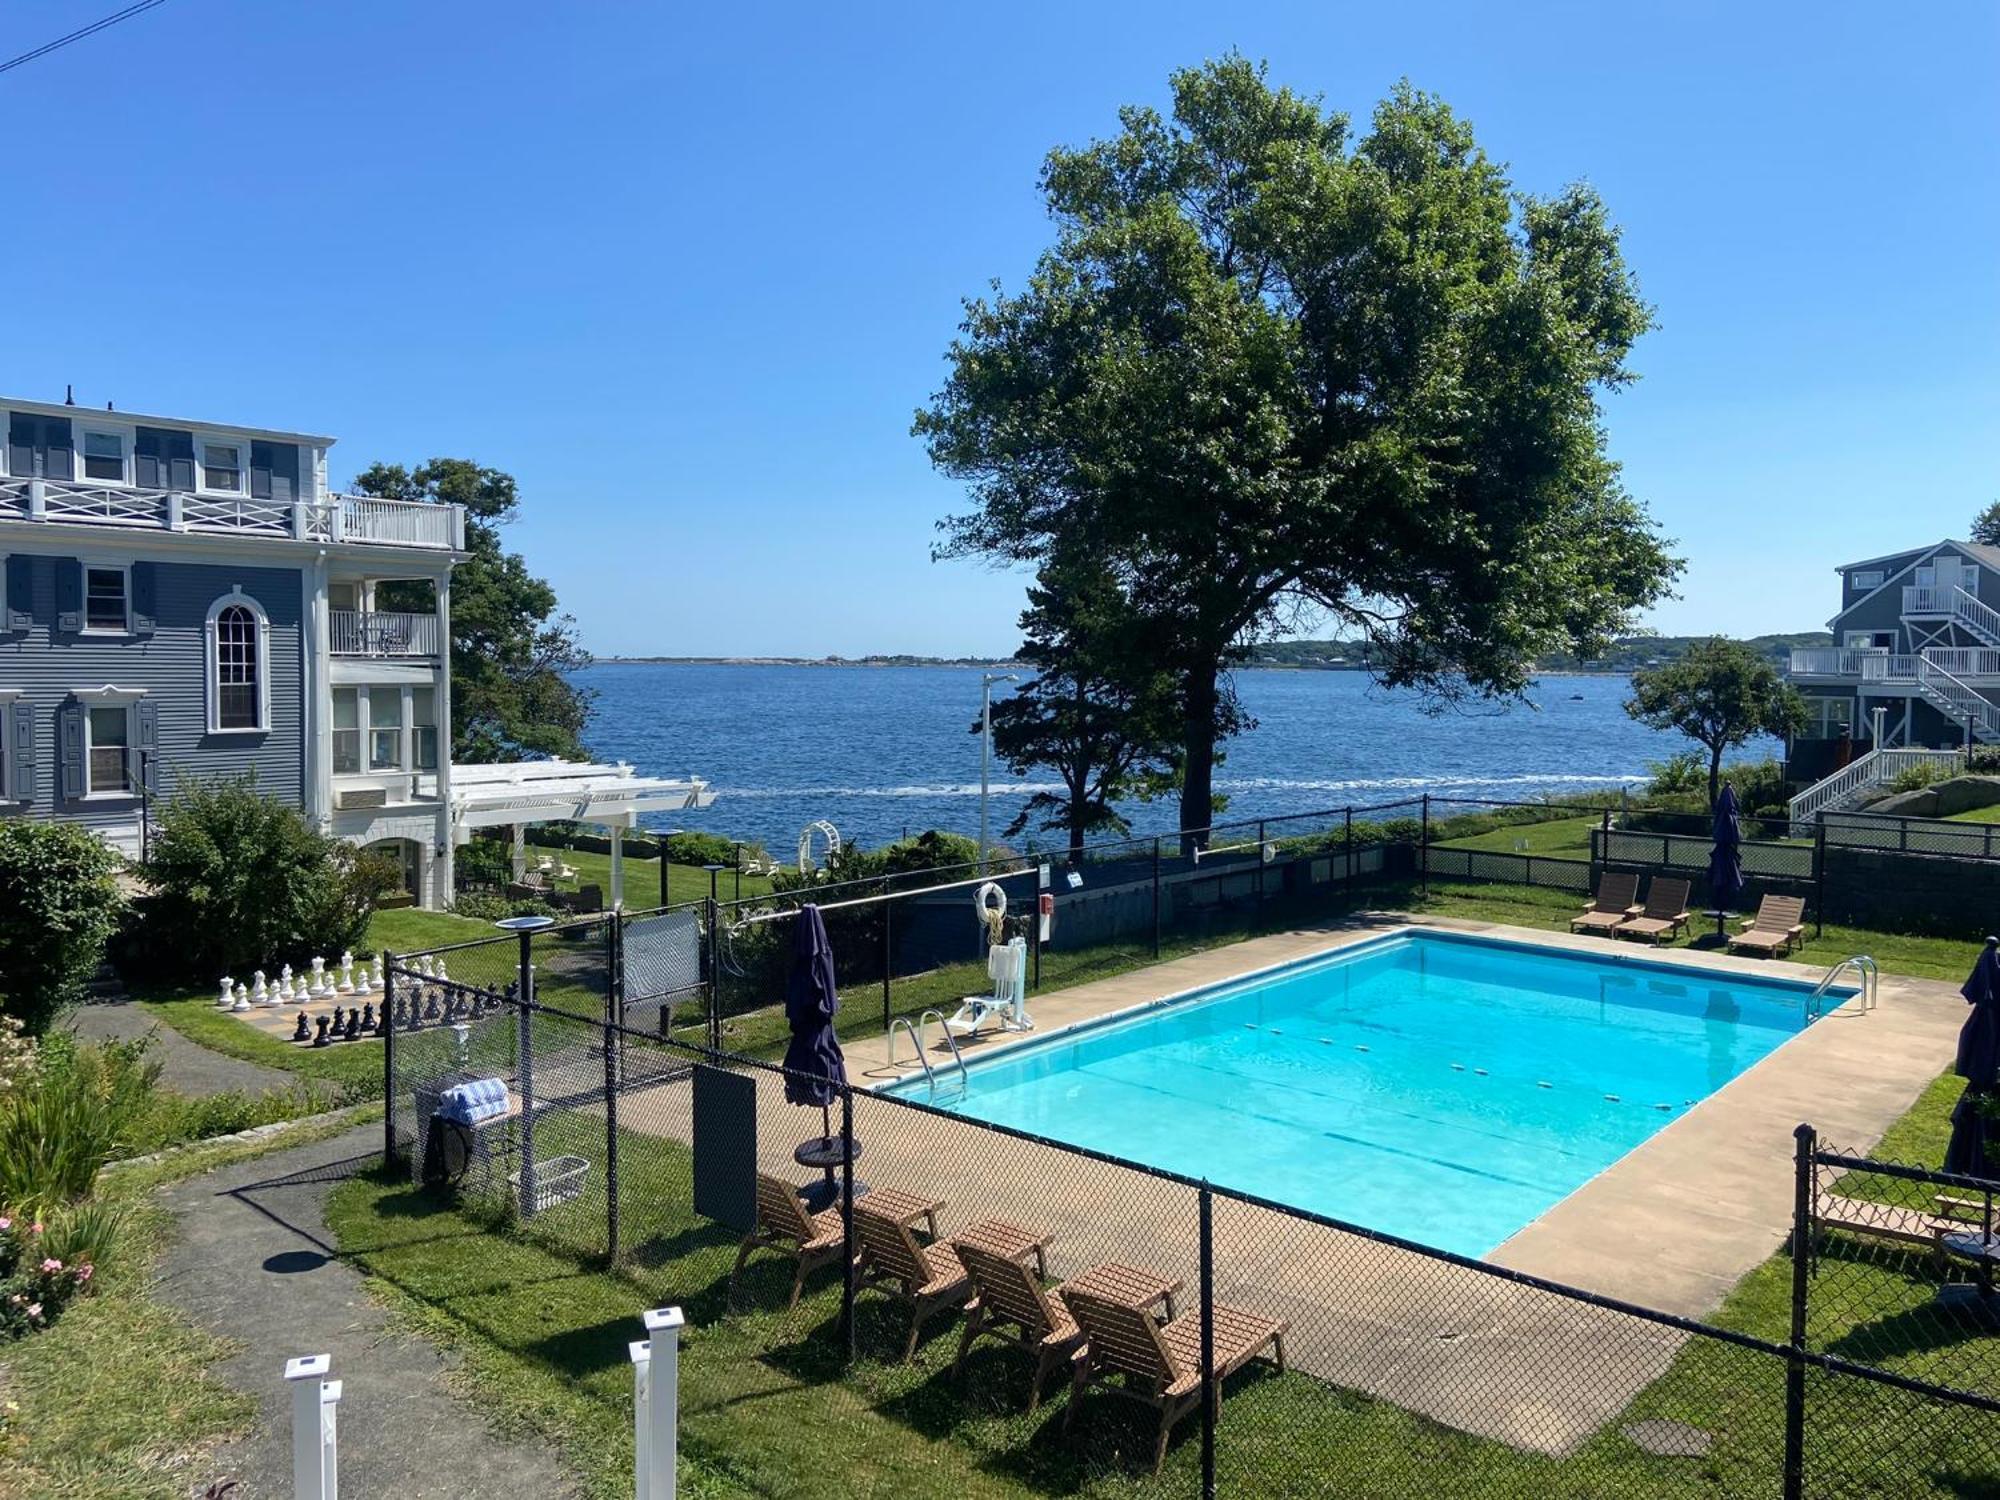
(1865, 969)
(917, 1042)
(923, 1017)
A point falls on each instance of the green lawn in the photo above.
(642, 878)
(1565, 836)
(542, 1323)
(1977, 815)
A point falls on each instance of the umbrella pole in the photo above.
(825, 1122)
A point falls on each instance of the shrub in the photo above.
(703, 849)
(174, 1119)
(59, 904)
(1916, 777)
(35, 1286)
(78, 1109)
(1679, 777)
(490, 906)
(240, 881)
(484, 861)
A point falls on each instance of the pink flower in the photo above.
(6, 1223)
(82, 1272)
(51, 1265)
(36, 1227)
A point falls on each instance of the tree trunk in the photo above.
(1077, 832)
(1714, 775)
(1198, 757)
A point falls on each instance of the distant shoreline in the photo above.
(971, 663)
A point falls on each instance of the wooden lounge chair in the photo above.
(1162, 1364)
(1665, 913)
(928, 1277)
(812, 1240)
(1617, 899)
(1778, 927)
(1900, 1224)
(1006, 1292)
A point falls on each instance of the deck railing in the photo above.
(348, 518)
(383, 633)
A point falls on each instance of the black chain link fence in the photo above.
(831, 1240)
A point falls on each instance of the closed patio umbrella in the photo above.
(814, 1068)
(1725, 860)
(1978, 1063)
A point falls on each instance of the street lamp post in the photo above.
(986, 681)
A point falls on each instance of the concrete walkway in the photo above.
(252, 1262)
(187, 1067)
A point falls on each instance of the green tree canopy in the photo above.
(510, 648)
(1986, 526)
(1271, 367)
(1719, 694)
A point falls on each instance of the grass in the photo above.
(115, 1402)
(642, 878)
(1565, 836)
(1977, 815)
(542, 1324)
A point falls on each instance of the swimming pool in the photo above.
(1440, 1087)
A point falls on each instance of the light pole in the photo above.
(986, 681)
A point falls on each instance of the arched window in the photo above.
(239, 689)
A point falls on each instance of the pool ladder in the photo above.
(1864, 969)
(917, 1041)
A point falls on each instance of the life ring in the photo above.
(991, 915)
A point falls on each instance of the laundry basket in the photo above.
(557, 1180)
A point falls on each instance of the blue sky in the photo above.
(687, 271)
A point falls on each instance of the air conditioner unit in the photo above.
(361, 796)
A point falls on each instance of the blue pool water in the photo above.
(1442, 1088)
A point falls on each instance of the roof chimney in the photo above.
(69, 395)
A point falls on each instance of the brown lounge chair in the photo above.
(813, 1240)
(1162, 1364)
(1778, 927)
(1006, 1292)
(1899, 1224)
(1665, 914)
(1617, 899)
(928, 1277)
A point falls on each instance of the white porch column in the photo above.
(618, 865)
(520, 852)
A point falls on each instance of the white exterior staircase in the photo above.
(1862, 776)
(1977, 618)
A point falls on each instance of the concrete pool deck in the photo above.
(1672, 1225)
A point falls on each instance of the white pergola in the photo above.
(538, 791)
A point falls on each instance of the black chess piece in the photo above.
(368, 1018)
(354, 1025)
(304, 1032)
(321, 1039)
(431, 1007)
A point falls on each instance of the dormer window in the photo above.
(1865, 578)
(104, 456)
(222, 467)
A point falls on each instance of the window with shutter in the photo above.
(163, 458)
(21, 752)
(71, 742)
(39, 447)
(274, 472)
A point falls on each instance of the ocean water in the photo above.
(884, 751)
(1442, 1088)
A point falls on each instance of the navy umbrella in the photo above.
(814, 1068)
(1725, 860)
(1978, 1063)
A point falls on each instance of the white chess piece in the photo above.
(443, 978)
(227, 998)
(259, 990)
(318, 987)
(363, 985)
(285, 983)
(346, 973)
(242, 1000)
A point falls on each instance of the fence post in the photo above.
(524, 1042)
(1795, 1367)
(1348, 876)
(315, 1432)
(656, 1400)
(1819, 879)
(1156, 895)
(1035, 927)
(1262, 893)
(1208, 1391)
(714, 980)
(614, 1045)
(387, 1031)
(848, 1249)
(888, 954)
(1424, 848)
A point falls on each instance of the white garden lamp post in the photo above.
(986, 681)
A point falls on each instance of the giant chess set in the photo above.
(350, 1002)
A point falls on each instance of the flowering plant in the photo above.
(34, 1286)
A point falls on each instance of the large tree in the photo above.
(1268, 366)
(1986, 526)
(1720, 694)
(1098, 712)
(510, 645)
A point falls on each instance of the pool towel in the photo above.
(469, 1103)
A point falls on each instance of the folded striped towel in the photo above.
(469, 1103)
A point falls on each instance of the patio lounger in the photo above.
(1007, 1292)
(1777, 928)
(812, 1240)
(1665, 913)
(1162, 1364)
(1617, 899)
(931, 1278)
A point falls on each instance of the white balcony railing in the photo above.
(1886, 666)
(1826, 661)
(1971, 662)
(350, 518)
(383, 633)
